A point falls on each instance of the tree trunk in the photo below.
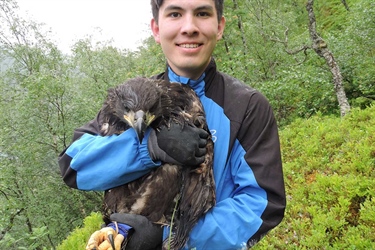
(240, 27)
(320, 47)
(345, 4)
(10, 224)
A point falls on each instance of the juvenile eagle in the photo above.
(189, 191)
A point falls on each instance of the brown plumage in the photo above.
(140, 103)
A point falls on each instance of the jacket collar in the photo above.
(199, 85)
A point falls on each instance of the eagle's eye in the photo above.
(126, 109)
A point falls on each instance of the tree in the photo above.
(37, 209)
(281, 24)
(321, 48)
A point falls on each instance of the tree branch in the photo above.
(10, 224)
(345, 4)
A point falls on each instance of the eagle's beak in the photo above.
(140, 124)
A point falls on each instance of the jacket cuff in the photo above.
(145, 153)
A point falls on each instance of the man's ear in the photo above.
(155, 30)
(221, 28)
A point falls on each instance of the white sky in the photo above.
(127, 22)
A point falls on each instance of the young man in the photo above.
(247, 162)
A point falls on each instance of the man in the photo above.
(247, 162)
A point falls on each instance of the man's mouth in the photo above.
(189, 46)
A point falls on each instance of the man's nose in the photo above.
(189, 26)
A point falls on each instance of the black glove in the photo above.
(146, 235)
(183, 145)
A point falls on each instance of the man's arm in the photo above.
(257, 202)
(94, 162)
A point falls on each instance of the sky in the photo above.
(127, 22)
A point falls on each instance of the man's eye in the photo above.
(203, 14)
(174, 14)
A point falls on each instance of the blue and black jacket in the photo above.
(247, 161)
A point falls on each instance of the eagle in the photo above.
(170, 194)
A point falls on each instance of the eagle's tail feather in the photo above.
(199, 181)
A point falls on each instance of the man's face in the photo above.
(188, 32)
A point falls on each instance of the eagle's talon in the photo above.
(111, 240)
(105, 239)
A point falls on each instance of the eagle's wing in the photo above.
(151, 195)
(198, 186)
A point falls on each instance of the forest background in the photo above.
(328, 156)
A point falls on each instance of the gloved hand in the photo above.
(146, 235)
(183, 145)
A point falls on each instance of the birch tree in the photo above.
(321, 48)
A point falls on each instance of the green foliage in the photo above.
(79, 237)
(294, 95)
(239, 53)
(100, 66)
(333, 15)
(329, 173)
(36, 101)
(356, 53)
(264, 53)
(46, 95)
(150, 59)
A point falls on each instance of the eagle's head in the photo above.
(135, 103)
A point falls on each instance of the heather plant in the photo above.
(79, 237)
(329, 173)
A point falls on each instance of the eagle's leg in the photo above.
(163, 221)
(105, 239)
(99, 238)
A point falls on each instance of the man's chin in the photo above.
(190, 68)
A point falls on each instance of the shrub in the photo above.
(79, 237)
(329, 174)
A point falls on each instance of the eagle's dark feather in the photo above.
(155, 194)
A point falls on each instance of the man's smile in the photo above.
(189, 46)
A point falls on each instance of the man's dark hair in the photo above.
(156, 4)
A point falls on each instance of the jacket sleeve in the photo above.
(255, 201)
(94, 162)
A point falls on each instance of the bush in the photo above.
(329, 174)
(79, 237)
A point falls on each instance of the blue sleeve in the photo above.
(101, 163)
(250, 193)
(236, 217)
